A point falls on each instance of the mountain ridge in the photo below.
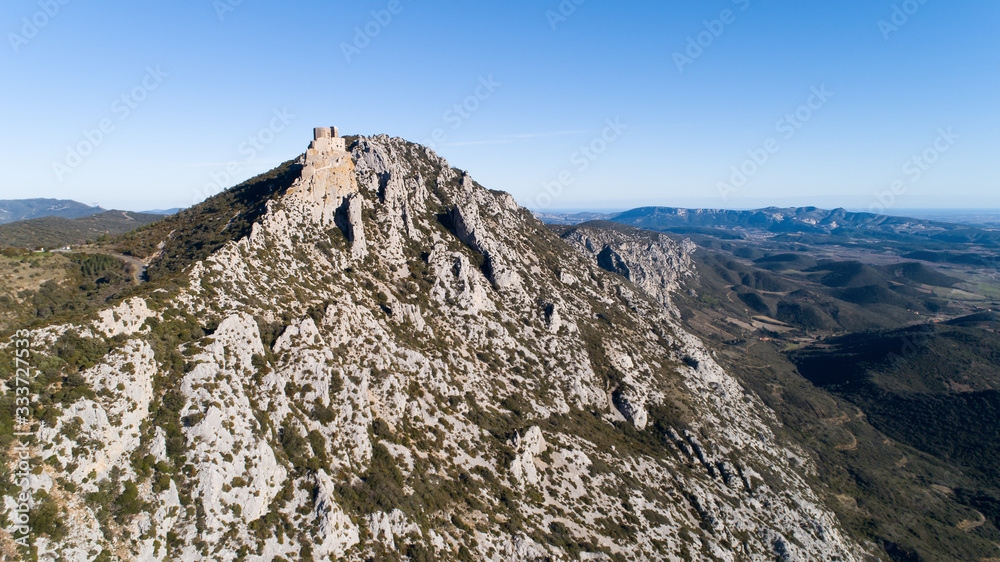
(788, 220)
(382, 315)
(12, 210)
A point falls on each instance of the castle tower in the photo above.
(327, 140)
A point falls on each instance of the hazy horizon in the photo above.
(913, 212)
(727, 103)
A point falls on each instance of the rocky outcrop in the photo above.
(653, 262)
(632, 406)
(337, 533)
(355, 227)
(527, 448)
(125, 319)
(472, 229)
(387, 527)
(398, 362)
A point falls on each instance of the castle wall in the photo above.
(326, 140)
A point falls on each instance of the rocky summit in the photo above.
(380, 359)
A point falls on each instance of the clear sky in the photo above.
(566, 104)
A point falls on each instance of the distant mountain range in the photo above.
(12, 210)
(171, 211)
(806, 222)
(775, 219)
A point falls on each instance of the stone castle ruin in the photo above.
(327, 140)
(328, 187)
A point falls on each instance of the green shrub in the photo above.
(46, 518)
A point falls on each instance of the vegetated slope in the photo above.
(195, 232)
(961, 258)
(55, 232)
(391, 361)
(41, 288)
(934, 387)
(914, 504)
(12, 210)
(831, 296)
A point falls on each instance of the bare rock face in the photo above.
(632, 406)
(471, 229)
(125, 319)
(328, 178)
(456, 281)
(337, 532)
(356, 227)
(527, 448)
(223, 432)
(386, 527)
(552, 317)
(398, 362)
(653, 262)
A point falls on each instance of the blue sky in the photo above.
(567, 104)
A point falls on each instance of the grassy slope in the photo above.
(54, 232)
(69, 287)
(197, 231)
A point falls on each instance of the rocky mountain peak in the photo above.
(394, 361)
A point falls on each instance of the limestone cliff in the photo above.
(397, 362)
(651, 261)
